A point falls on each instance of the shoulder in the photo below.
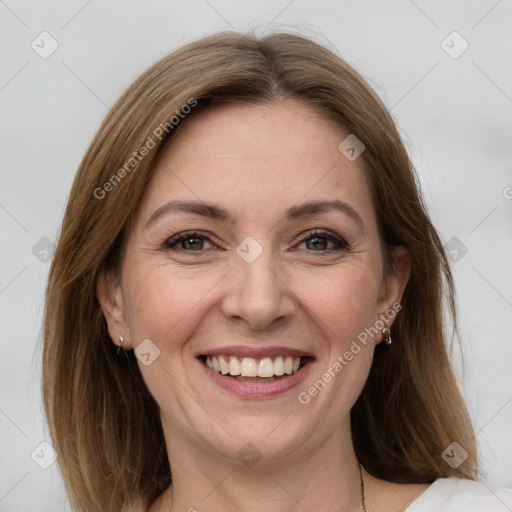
(460, 495)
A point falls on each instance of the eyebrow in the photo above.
(301, 211)
(211, 211)
(216, 212)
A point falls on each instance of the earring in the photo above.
(386, 335)
(120, 343)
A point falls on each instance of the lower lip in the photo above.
(257, 389)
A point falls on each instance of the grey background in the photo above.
(455, 115)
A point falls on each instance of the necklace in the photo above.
(363, 500)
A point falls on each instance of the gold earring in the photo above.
(386, 335)
(120, 343)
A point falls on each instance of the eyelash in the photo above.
(341, 245)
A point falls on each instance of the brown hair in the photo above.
(104, 423)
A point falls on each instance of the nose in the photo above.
(258, 293)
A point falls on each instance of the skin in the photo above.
(301, 291)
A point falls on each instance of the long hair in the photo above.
(104, 423)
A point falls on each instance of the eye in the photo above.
(319, 240)
(190, 241)
(315, 240)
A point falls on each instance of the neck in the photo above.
(327, 475)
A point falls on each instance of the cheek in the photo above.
(344, 302)
(163, 304)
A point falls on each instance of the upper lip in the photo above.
(255, 352)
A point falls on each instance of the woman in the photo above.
(245, 307)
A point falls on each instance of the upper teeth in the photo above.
(250, 367)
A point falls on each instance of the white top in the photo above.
(460, 495)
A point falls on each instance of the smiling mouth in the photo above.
(249, 369)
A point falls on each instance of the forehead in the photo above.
(257, 158)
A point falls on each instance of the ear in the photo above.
(108, 291)
(394, 283)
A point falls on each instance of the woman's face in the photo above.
(277, 265)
